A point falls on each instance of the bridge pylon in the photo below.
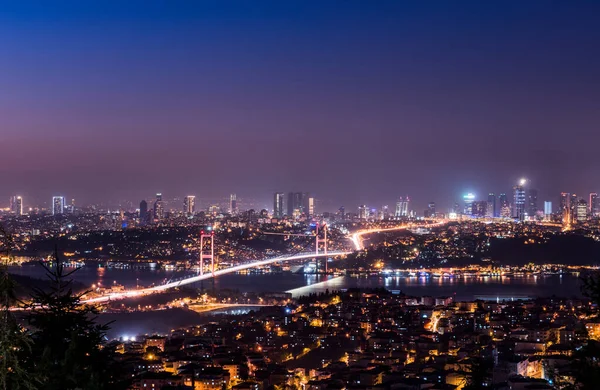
(208, 254)
(320, 241)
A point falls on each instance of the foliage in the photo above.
(68, 344)
(586, 370)
(15, 343)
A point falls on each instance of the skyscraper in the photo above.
(573, 208)
(430, 212)
(16, 205)
(311, 206)
(385, 212)
(342, 213)
(532, 202)
(233, 209)
(468, 200)
(564, 206)
(158, 207)
(402, 207)
(582, 209)
(298, 203)
(594, 205)
(144, 217)
(519, 200)
(58, 205)
(479, 208)
(504, 206)
(189, 205)
(278, 205)
(363, 212)
(491, 206)
(547, 210)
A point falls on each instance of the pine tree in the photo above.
(68, 343)
(15, 343)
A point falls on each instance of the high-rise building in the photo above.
(385, 212)
(189, 205)
(594, 205)
(363, 212)
(491, 206)
(532, 203)
(519, 200)
(504, 206)
(298, 203)
(16, 205)
(547, 210)
(342, 213)
(582, 209)
(58, 205)
(233, 208)
(158, 207)
(479, 208)
(144, 217)
(456, 208)
(402, 207)
(311, 206)
(564, 207)
(430, 212)
(468, 200)
(278, 205)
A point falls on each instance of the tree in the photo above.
(15, 343)
(585, 368)
(477, 373)
(68, 345)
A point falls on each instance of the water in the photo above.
(467, 288)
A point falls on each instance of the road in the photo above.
(357, 241)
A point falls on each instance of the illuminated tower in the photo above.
(207, 253)
(58, 205)
(233, 208)
(16, 205)
(311, 206)
(468, 200)
(402, 207)
(504, 206)
(491, 206)
(582, 209)
(158, 207)
(593, 205)
(547, 210)
(363, 212)
(564, 207)
(519, 200)
(189, 205)
(278, 205)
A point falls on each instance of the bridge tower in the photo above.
(208, 254)
(321, 241)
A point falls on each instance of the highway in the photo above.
(357, 241)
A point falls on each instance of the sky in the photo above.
(353, 101)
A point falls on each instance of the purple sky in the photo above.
(353, 101)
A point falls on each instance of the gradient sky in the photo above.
(354, 101)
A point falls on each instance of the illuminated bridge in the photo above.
(208, 275)
(356, 239)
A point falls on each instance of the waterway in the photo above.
(464, 288)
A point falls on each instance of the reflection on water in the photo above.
(462, 288)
